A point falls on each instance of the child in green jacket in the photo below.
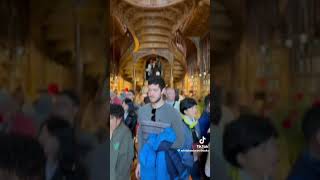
(121, 145)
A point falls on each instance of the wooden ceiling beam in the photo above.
(166, 16)
(154, 45)
(154, 26)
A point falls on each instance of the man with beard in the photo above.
(159, 111)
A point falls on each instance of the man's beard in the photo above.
(157, 100)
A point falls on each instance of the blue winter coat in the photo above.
(153, 163)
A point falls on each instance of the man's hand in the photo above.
(138, 171)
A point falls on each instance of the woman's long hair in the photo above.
(131, 122)
(130, 104)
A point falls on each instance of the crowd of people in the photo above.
(43, 140)
(245, 140)
(158, 134)
(250, 144)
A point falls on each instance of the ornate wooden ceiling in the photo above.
(198, 23)
(139, 26)
(153, 25)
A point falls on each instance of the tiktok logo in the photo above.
(201, 141)
(202, 146)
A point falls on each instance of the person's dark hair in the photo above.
(186, 104)
(68, 154)
(156, 80)
(311, 123)
(116, 111)
(22, 156)
(132, 91)
(245, 133)
(130, 104)
(70, 94)
(216, 105)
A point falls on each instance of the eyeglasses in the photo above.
(153, 117)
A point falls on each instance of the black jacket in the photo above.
(131, 122)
